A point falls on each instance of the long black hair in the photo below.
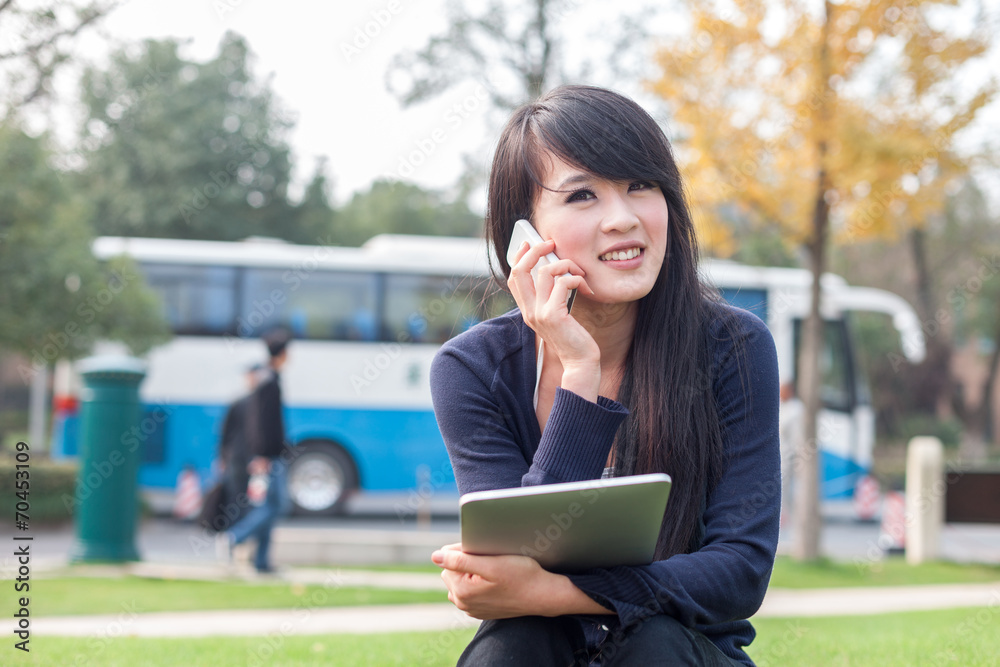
(673, 425)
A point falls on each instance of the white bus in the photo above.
(781, 297)
(367, 322)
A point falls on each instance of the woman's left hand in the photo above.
(489, 587)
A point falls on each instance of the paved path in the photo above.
(307, 620)
(259, 623)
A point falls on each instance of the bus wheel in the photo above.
(320, 478)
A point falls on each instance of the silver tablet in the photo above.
(569, 527)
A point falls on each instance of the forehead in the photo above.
(557, 174)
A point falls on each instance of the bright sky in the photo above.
(340, 102)
(342, 108)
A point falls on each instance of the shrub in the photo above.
(49, 481)
(948, 431)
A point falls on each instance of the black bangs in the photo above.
(592, 129)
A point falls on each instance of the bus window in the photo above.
(321, 305)
(196, 300)
(836, 366)
(432, 309)
(754, 300)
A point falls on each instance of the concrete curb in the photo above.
(876, 600)
(262, 623)
(410, 581)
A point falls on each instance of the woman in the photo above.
(650, 373)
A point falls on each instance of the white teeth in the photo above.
(621, 254)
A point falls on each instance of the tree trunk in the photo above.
(925, 297)
(537, 74)
(931, 380)
(981, 424)
(807, 522)
(807, 519)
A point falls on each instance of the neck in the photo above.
(611, 326)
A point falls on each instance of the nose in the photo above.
(619, 215)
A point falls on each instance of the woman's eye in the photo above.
(641, 185)
(580, 195)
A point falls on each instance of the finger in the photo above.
(437, 556)
(526, 259)
(519, 253)
(561, 288)
(526, 291)
(459, 561)
(563, 266)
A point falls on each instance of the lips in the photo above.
(622, 254)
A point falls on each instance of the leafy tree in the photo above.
(312, 219)
(35, 43)
(520, 39)
(519, 48)
(843, 113)
(402, 208)
(962, 255)
(56, 298)
(181, 149)
(516, 50)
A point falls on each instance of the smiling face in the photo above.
(616, 231)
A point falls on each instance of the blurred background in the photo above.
(177, 178)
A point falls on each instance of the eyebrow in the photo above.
(575, 179)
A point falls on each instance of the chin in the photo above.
(627, 294)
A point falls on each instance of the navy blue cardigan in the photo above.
(483, 383)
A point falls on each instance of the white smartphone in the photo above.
(524, 231)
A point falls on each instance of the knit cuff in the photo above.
(578, 436)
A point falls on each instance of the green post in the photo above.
(106, 486)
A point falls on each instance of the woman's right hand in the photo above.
(542, 301)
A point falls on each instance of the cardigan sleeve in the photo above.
(490, 434)
(725, 580)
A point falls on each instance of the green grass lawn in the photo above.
(888, 572)
(965, 637)
(409, 649)
(78, 595)
(961, 637)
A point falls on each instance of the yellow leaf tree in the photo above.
(821, 118)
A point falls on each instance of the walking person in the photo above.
(650, 372)
(790, 435)
(265, 429)
(227, 501)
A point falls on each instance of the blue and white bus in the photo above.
(367, 322)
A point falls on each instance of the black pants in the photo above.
(559, 642)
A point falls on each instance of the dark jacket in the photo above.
(234, 449)
(482, 383)
(266, 423)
